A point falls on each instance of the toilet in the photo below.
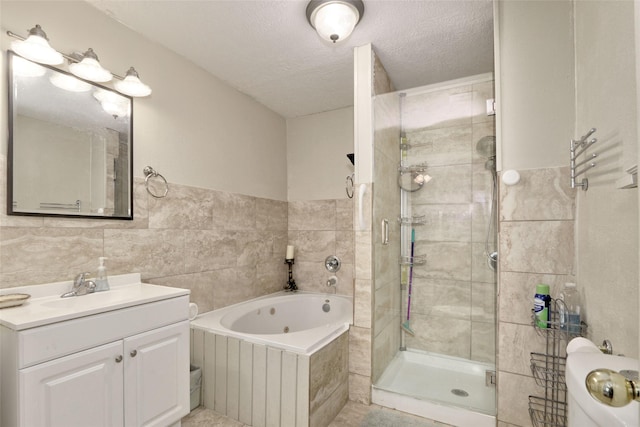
(584, 410)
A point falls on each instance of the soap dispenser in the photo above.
(102, 283)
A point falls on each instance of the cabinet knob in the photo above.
(119, 358)
(133, 353)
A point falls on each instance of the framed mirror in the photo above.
(70, 145)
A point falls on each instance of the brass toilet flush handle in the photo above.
(613, 388)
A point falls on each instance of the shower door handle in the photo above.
(385, 231)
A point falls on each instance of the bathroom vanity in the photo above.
(114, 358)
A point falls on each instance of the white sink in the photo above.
(585, 410)
(46, 306)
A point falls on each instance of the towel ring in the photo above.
(350, 186)
(149, 172)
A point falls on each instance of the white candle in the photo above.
(289, 252)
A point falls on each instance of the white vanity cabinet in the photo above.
(123, 367)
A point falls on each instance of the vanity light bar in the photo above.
(134, 88)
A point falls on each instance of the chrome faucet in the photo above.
(80, 287)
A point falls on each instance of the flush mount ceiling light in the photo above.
(334, 20)
(36, 48)
(131, 84)
(89, 68)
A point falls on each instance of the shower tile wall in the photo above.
(453, 295)
(317, 229)
(542, 204)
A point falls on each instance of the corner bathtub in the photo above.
(279, 360)
(300, 322)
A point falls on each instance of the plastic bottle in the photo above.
(541, 305)
(569, 309)
(102, 282)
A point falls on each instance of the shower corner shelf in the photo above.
(548, 370)
(415, 260)
(413, 220)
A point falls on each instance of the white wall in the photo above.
(317, 148)
(194, 129)
(536, 84)
(607, 217)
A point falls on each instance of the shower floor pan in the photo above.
(442, 388)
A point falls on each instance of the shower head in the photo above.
(486, 146)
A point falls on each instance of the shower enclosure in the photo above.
(435, 178)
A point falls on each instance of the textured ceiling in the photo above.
(267, 50)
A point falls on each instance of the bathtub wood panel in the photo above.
(262, 386)
(246, 382)
(259, 385)
(288, 393)
(220, 389)
(233, 378)
(209, 370)
(274, 379)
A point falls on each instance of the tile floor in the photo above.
(352, 415)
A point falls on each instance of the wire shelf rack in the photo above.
(547, 413)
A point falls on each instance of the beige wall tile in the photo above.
(360, 388)
(232, 211)
(31, 256)
(483, 342)
(445, 260)
(344, 214)
(183, 208)
(551, 251)
(271, 215)
(312, 215)
(441, 146)
(483, 302)
(329, 373)
(313, 245)
(541, 194)
(515, 345)
(362, 303)
(449, 184)
(441, 334)
(153, 253)
(441, 297)
(444, 222)
(513, 400)
(360, 351)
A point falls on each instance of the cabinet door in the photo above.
(156, 377)
(80, 390)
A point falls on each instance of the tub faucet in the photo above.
(80, 287)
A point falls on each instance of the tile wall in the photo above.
(317, 229)
(542, 204)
